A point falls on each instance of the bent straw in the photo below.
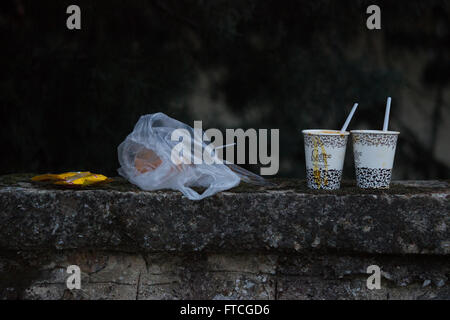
(386, 114)
(347, 121)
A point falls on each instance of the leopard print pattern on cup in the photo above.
(333, 141)
(375, 139)
(329, 179)
(370, 178)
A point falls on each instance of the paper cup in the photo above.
(374, 152)
(324, 155)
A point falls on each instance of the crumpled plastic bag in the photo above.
(145, 159)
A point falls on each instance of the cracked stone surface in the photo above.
(116, 275)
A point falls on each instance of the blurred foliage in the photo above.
(68, 98)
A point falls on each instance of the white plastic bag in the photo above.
(145, 159)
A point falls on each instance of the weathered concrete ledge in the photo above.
(284, 242)
(410, 218)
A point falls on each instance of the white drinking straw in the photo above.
(347, 121)
(386, 114)
(224, 146)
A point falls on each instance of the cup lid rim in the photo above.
(321, 133)
(375, 131)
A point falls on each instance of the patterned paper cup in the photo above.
(374, 152)
(324, 155)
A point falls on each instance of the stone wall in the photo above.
(283, 242)
(118, 275)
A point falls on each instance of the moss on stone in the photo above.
(15, 178)
(278, 184)
(347, 187)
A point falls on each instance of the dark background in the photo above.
(68, 97)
